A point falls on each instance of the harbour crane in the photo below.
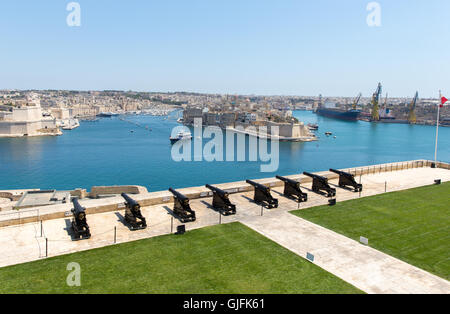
(376, 103)
(412, 109)
(355, 103)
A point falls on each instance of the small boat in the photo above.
(107, 114)
(181, 136)
(313, 127)
(328, 133)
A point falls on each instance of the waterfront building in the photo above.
(291, 130)
(190, 114)
(227, 119)
(26, 120)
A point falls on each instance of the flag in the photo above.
(443, 101)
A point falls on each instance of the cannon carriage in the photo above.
(321, 184)
(263, 196)
(292, 189)
(79, 223)
(347, 179)
(133, 215)
(182, 208)
(221, 201)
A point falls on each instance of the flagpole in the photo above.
(437, 128)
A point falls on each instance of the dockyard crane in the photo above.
(376, 103)
(355, 103)
(412, 109)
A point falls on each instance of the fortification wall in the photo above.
(94, 206)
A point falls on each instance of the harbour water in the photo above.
(116, 152)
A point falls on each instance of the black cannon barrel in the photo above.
(217, 190)
(77, 208)
(287, 180)
(258, 186)
(341, 173)
(315, 176)
(347, 179)
(178, 195)
(129, 200)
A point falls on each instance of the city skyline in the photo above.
(251, 48)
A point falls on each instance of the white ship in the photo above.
(181, 136)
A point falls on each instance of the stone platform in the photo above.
(23, 242)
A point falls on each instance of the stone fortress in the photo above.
(26, 120)
(244, 120)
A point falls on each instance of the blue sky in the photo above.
(247, 46)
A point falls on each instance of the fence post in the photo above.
(171, 225)
(41, 230)
(262, 210)
(115, 234)
(46, 247)
(220, 218)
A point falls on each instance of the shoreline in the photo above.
(279, 138)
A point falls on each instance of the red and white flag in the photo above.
(443, 101)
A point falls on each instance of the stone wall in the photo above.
(109, 190)
(164, 197)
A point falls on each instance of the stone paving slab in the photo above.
(367, 269)
(23, 243)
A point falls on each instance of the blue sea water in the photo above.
(108, 153)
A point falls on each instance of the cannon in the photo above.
(221, 201)
(292, 189)
(263, 196)
(347, 179)
(182, 208)
(321, 184)
(79, 223)
(133, 215)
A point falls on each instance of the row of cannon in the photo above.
(221, 201)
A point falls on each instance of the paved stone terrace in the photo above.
(367, 269)
(23, 243)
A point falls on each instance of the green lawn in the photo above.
(221, 259)
(412, 225)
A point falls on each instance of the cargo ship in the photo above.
(341, 114)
